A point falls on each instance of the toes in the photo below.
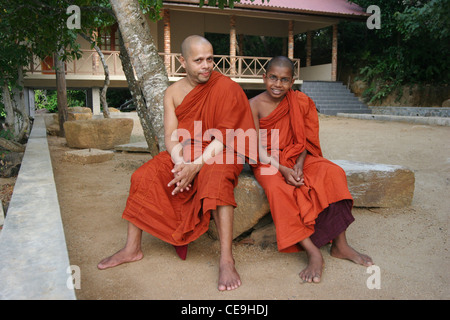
(229, 286)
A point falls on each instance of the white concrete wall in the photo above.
(321, 72)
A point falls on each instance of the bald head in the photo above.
(190, 42)
(281, 61)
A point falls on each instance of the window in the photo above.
(109, 38)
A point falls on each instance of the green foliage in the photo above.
(47, 99)
(252, 45)
(410, 48)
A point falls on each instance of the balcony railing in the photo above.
(88, 64)
(243, 67)
(232, 66)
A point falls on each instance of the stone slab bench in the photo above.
(33, 254)
(371, 185)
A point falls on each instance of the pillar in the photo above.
(291, 40)
(308, 48)
(334, 54)
(232, 45)
(95, 101)
(167, 50)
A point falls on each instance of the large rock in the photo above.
(371, 185)
(378, 185)
(252, 205)
(101, 134)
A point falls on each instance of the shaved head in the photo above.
(191, 41)
(281, 61)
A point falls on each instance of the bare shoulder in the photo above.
(256, 101)
(176, 92)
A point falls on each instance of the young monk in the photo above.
(308, 195)
(173, 195)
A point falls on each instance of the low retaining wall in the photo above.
(437, 121)
(412, 111)
(34, 262)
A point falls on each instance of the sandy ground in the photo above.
(409, 245)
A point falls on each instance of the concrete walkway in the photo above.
(34, 263)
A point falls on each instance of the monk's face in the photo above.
(278, 81)
(198, 62)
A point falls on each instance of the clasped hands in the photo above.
(184, 173)
(294, 175)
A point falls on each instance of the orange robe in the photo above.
(219, 104)
(295, 210)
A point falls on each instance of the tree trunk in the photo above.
(106, 71)
(7, 102)
(19, 100)
(61, 91)
(138, 100)
(148, 65)
(11, 145)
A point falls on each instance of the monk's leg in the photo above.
(228, 277)
(341, 249)
(313, 272)
(131, 252)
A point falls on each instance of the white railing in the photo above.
(90, 64)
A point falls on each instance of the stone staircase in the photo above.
(333, 97)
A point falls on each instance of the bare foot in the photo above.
(120, 257)
(313, 271)
(347, 252)
(228, 277)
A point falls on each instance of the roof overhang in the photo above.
(281, 9)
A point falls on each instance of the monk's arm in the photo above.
(298, 166)
(173, 146)
(262, 151)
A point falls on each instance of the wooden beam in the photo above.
(166, 13)
(291, 40)
(334, 56)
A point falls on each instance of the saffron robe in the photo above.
(295, 209)
(217, 105)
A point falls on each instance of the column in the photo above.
(232, 45)
(95, 101)
(334, 54)
(167, 50)
(291, 40)
(308, 48)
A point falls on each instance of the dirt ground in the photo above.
(409, 245)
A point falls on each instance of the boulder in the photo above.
(80, 110)
(262, 237)
(378, 185)
(371, 185)
(252, 205)
(446, 104)
(72, 116)
(87, 156)
(101, 134)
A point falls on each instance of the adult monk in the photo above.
(308, 195)
(173, 195)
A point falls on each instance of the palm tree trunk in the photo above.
(148, 65)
